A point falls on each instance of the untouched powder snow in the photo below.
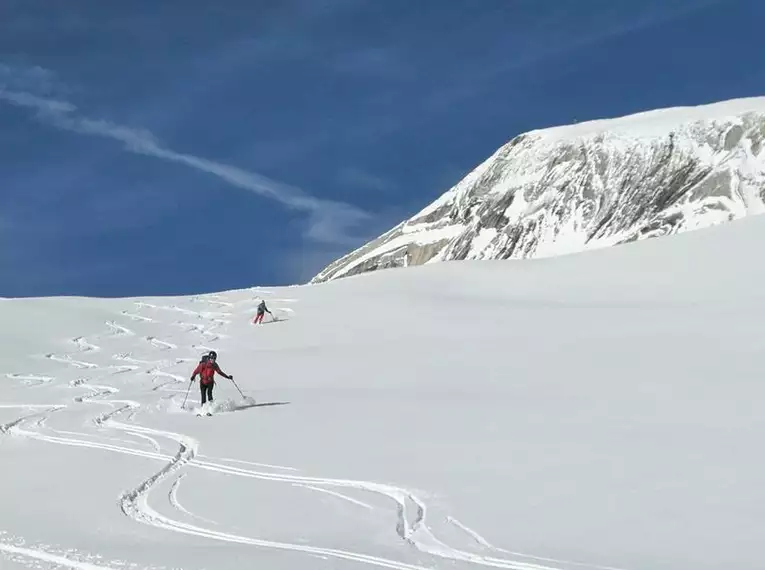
(599, 410)
(657, 122)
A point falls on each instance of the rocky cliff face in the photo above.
(595, 184)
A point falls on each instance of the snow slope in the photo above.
(598, 410)
(587, 186)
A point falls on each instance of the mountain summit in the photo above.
(589, 185)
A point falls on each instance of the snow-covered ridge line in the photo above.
(657, 122)
(588, 185)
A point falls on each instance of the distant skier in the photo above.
(262, 310)
(206, 370)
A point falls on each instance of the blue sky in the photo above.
(177, 147)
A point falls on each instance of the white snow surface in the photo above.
(657, 122)
(598, 410)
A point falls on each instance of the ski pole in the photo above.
(237, 387)
(183, 406)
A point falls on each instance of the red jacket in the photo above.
(206, 371)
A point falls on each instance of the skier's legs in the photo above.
(207, 390)
(259, 318)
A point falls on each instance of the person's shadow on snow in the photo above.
(275, 320)
(247, 406)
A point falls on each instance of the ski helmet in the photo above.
(213, 355)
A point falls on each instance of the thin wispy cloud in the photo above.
(354, 177)
(34, 79)
(328, 221)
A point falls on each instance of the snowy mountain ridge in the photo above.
(589, 185)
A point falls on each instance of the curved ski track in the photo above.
(411, 520)
(173, 498)
(43, 556)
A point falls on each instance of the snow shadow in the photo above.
(246, 405)
(274, 321)
(220, 406)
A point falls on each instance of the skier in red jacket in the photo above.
(206, 370)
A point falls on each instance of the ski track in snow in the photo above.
(73, 442)
(164, 387)
(137, 317)
(335, 494)
(96, 391)
(206, 331)
(127, 405)
(162, 373)
(42, 556)
(31, 379)
(119, 330)
(97, 394)
(211, 315)
(30, 406)
(470, 532)
(135, 503)
(267, 465)
(150, 516)
(173, 498)
(211, 299)
(66, 359)
(486, 544)
(100, 437)
(84, 346)
(128, 357)
(183, 311)
(414, 532)
(411, 519)
(10, 427)
(201, 329)
(100, 391)
(154, 443)
(121, 369)
(170, 386)
(161, 344)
